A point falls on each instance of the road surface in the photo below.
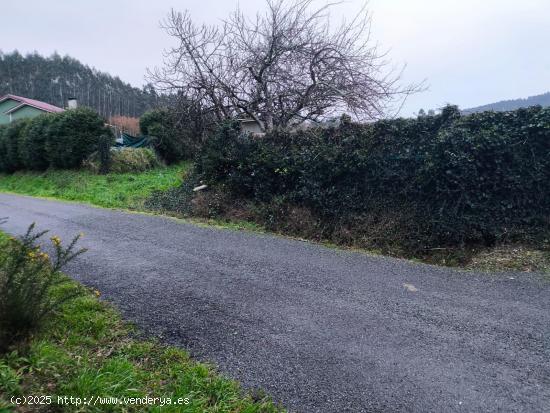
(321, 330)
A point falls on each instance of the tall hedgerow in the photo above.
(3, 150)
(72, 136)
(10, 136)
(445, 179)
(32, 143)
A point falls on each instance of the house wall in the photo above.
(26, 112)
(251, 127)
(5, 106)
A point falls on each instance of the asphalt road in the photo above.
(321, 330)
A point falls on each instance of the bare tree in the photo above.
(286, 66)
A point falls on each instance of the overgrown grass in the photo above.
(511, 258)
(126, 191)
(86, 350)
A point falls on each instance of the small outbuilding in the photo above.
(17, 107)
(251, 126)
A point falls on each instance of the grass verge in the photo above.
(127, 191)
(131, 191)
(86, 351)
(385, 237)
(506, 258)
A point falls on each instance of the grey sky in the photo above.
(470, 52)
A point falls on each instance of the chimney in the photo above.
(72, 103)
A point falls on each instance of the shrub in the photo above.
(124, 160)
(32, 143)
(176, 133)
(60, 140)
(72, 136)
(160, 126)
(3, 149)
(10, 137)
(26, 278)
(445, 180)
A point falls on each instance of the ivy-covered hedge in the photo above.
(446, 179)
(61, 140)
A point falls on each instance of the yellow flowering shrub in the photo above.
(27, 275)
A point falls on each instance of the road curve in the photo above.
(321, 330)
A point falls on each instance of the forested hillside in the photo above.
(506, 105)
(56, 78)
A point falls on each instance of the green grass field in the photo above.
(127, 191)
(87, 351)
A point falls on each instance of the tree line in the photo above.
(506, 105)
(56, 78)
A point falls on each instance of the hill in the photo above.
(56, 78)
(506, 105)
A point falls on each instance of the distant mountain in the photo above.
(504, 105)
(56, 78)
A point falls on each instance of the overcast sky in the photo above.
(470, 52)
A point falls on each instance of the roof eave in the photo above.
(16, 108)
(8, 96)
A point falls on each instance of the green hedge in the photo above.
(60, 140)
(73, 136)
(482, 178)
(160, 125)
(176, 133)
(10, 136)
(32, 143)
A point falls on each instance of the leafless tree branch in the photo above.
(283, 67)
